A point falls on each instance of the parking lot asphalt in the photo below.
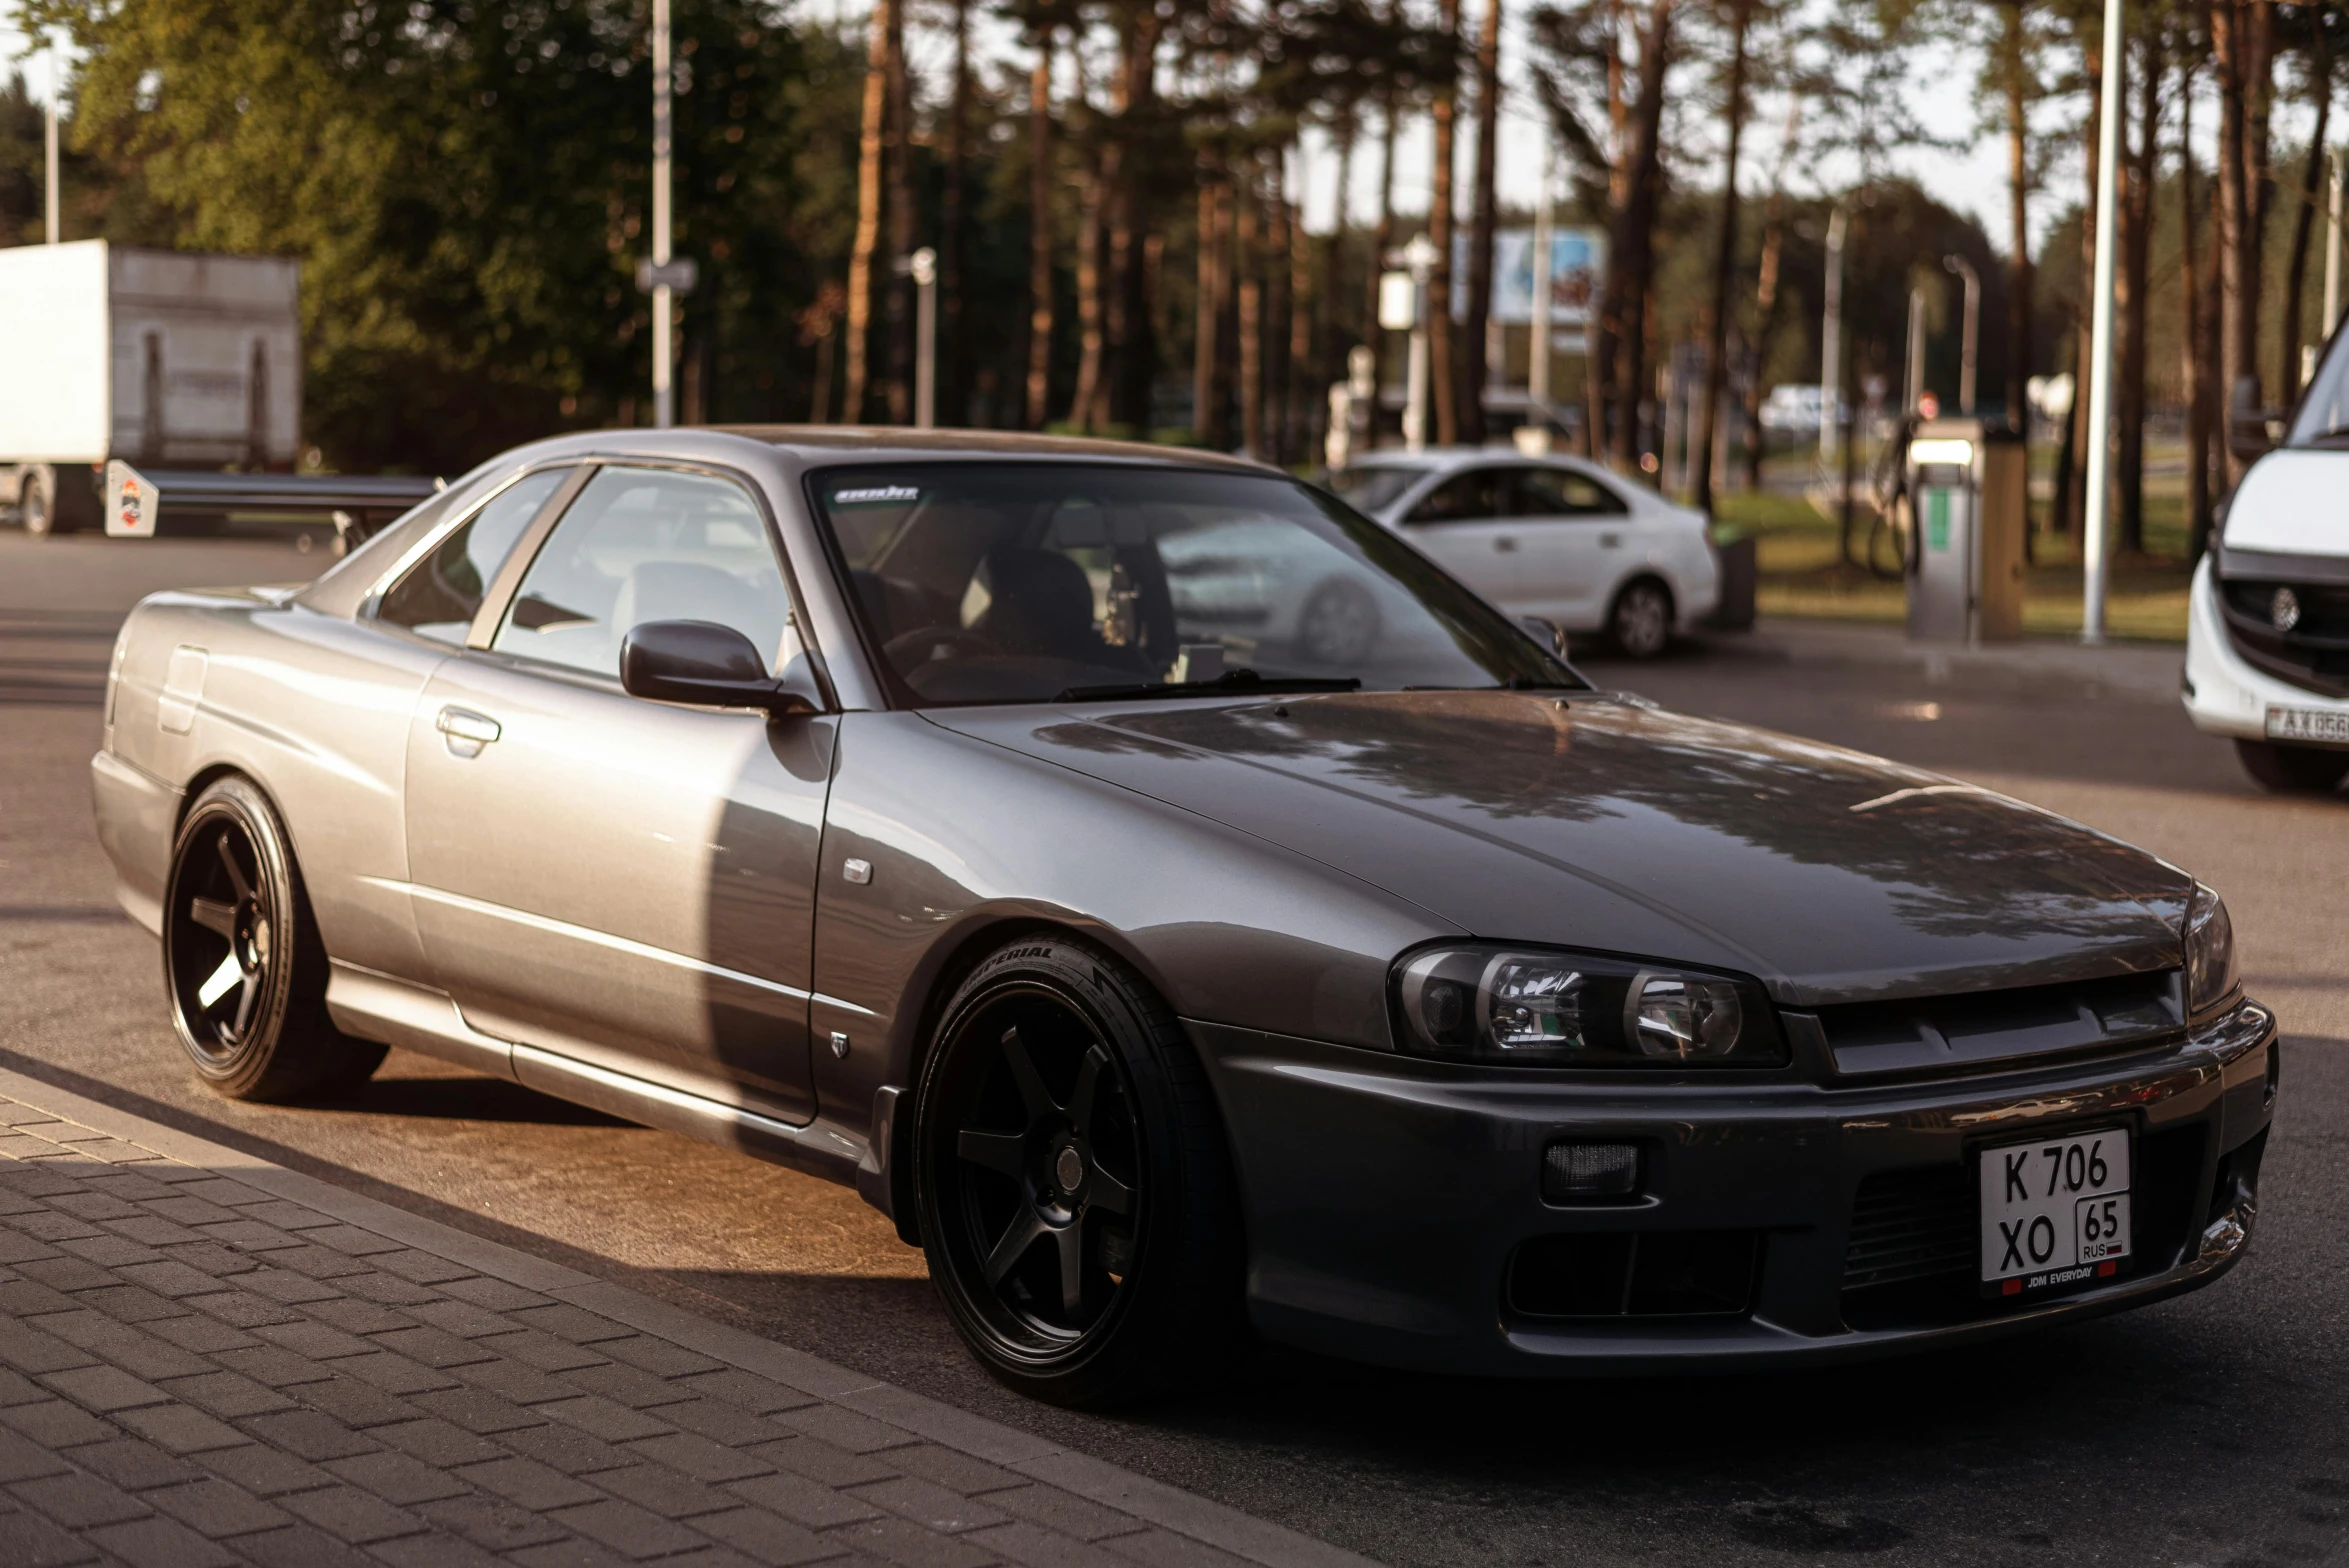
(2209, 1430)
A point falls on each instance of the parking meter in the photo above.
(1968, 498)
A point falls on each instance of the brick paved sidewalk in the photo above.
(208, 1359)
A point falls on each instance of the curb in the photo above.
(1146, 1501)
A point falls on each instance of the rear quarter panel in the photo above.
(313, 708)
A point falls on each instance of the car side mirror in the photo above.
(2252, 431)
(705, 665)
(1544, 631)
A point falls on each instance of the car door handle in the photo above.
(1505, 544)
(1610, 541)
(466, 731)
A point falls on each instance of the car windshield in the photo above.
(1035, 582)
(2323, 419)
(1372, 487)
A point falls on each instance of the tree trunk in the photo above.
(1333, 285)
(2241, 38)
(1381, 243)
(1304, 376)
(1206, 409)
(2320, 87)
(953, 405)
(1278, 304)
(1134, 357)
(1766, 291)
(872, 141)
(1040, 235)
(1484, 209)
(1248, 258)
(2193, 377)
(2074, 499)
(1619, 328)
(1724, 266)
(1442, 371)
(899, 165)
(2139, 165)
(1088, 411)
(2015, 60)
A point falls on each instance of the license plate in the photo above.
(2317, 726)
(2055, 1212)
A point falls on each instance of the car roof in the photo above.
(1444, 459)
(883, 443)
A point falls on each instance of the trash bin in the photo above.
(1968, 496)
(1733, 552)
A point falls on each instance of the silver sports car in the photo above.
(940, 814)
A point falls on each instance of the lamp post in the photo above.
(1912, 390)
(2108, 156)
(922, 266)
(1831, 345)
(1965, 269)
(1420, 257)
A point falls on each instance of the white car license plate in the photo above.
(2321, 726)
(2055, 1211)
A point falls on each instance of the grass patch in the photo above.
(1804, 571)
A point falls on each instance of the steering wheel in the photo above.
(928, 640)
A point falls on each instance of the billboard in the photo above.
(1578, 259)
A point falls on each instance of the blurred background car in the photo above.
(1555, 537)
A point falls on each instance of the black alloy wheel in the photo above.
(2293, 769)
(242, 963)
(1641, 621)
(1075, 1195)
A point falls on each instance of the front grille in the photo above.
(1912, 1257)
(2314, 654)
(1924, 1034)
(1914, 1224)
(1635, 1274)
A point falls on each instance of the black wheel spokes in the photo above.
(230, 990)
(1064, 1195)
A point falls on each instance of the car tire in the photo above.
(2293, 769)
(242, 962)
(1639, 622)
(1073, 1184)
(36, 509)
(1338, 625)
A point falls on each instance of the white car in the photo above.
(2267, 623)
(1556, 537)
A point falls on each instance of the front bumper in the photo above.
(1385, 1198)
(2224, 693)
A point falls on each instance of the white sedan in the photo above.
(1555, 537)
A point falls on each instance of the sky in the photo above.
(1969, 179)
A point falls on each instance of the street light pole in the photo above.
(2108, 155)
(1831, 346)
(2333, 248)
(1965, 269)
(923, 266)
(1913, 386)
(1420, 257)
(49, 152)
(663, 297)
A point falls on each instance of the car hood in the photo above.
(1602, 823)
(2290, 503)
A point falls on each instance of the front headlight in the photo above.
(1537, 1009)
(2210, 951)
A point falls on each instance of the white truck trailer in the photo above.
(187, 366)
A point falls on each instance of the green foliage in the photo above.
(467, 186)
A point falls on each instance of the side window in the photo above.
(440, 595)
(647, 544)
(1471, 497)
(1561, 492)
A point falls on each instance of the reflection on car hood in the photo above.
(1600, 823)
